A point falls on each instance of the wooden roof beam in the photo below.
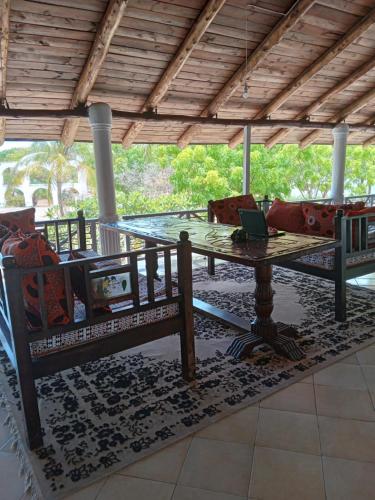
(369, 142)
(244, 71)
(307, 112)
(354, 107)
(4, 44)
(355, 31)
(98, 52)
(194, 36)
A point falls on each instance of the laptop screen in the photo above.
(254, 222)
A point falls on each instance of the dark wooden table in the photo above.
(213, 240)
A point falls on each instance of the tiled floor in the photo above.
(313, 440)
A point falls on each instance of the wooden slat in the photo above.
(341, 115)
(312, 108)
(204, 20)
(4, 44)
(42, 302)
(167, 273)
(355, 32)
(69, 294)
(246, 68)
(98, 52)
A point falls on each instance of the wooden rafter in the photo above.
(4, 44)
(369, 142)
(354, 107)
(98, 52)
(307, 112)
(198, 29)
(246, 68)
(356, 30)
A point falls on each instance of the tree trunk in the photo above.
(60, 199)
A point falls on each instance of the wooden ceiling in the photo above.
(306, 59)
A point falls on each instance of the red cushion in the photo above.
(364, 211)
(286, 216)
(319, 219)
(226, 210)
(34, 251)
(18, 219)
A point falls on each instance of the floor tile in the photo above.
(10, 482)
(132, 488)
(307, 380)
(369, 375)
(4, 429)
(286, 475)
(348, 480)
(239, 427)
(288, 431)
(341, 375)
(187, 493)
(217, 466)
(164, 465)
(344, 403)
(350, 360)
(345, 438)
(88, 493)
(297, 397)
(367, 356)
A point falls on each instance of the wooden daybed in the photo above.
(148, 313)
(355, 257)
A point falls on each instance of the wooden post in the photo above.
(246, 160)
(340, 267)
(210, 260)
(81, 230)
(185, 286)
(21, 349)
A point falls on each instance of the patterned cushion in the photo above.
(33, 251)
(320, 218)
(326, 259)
(286, 216)
(18, 219)
(4, 234)
(93, 332)
(226, 210)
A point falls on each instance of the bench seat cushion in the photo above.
(94, 332)
(326, 259)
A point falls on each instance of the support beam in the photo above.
(369, 142)
(354, 107)
(313, 107)
(340, 135)
(4, 44)
(98, 52)
(194, 36)
(244, 71)
(343, 43)
(101, 123)
(246, 160)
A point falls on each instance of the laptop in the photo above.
(254, 223)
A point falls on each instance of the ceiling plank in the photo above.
(4, 44)
(247, 67)
(353, 107)
(312, 108)
(98, 52)
(331, 53)
(194, 36)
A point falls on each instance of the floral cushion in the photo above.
(320, 218)
(18, 219)
(226, 210)
(286, 216)
(34, 251)
(4, 234)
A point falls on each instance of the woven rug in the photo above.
(102, 416)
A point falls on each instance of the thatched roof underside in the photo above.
(324, 50)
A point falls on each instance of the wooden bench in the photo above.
(156, 313)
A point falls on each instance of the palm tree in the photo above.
(60, 163)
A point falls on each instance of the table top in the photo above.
(214, 240)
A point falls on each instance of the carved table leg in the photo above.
(263, 328)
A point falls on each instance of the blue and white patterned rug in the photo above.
(102, 416)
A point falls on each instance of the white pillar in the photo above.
(246, 160)
(100, 117)
(340, 136)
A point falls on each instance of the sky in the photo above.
(14, 144)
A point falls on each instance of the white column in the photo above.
(100, 117)
(246, 160)
(340, 136)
